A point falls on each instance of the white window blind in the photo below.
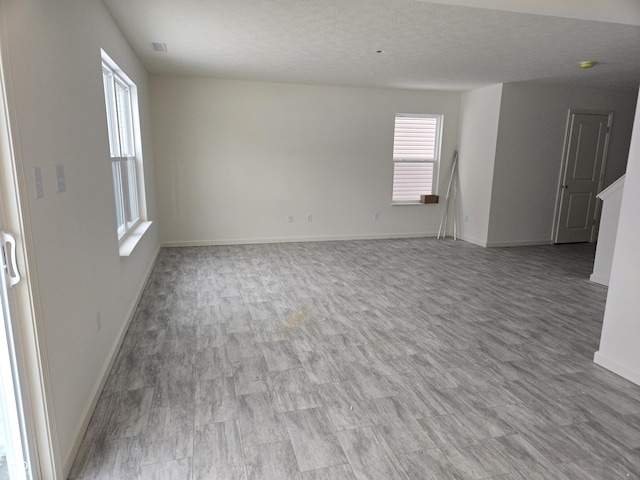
(118, 100)
(416, 154)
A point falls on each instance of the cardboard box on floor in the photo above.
(429, 198)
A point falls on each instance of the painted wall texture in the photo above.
(234, 159)
(52, 55)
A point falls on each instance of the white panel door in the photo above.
(585, 154)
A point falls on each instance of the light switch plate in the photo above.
(61, 187)
(37, 176)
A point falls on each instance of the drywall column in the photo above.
(479, 118)
(619, 350)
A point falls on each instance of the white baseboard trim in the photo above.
(600, 279)
(631, 374)
(475, 241)
(328, 238)
(83, 423)
(520, 243)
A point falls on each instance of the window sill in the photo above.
(130, 241)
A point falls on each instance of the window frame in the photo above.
(120, 96)
(434, 160)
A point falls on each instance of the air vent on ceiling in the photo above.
(159, 47)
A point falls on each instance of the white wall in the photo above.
(52, 52)
(235, 158)
(479, 119)
(529, 154)
(619, 344)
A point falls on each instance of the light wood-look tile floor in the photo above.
(387, 359)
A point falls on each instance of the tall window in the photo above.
(416, 156)
(118, 94)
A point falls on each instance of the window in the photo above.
(119, 95)
(416, 155)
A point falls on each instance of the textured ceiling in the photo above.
(425, 44)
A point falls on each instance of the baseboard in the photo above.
(600, 279)
(83, 423)
(328, 238)
(631, 374)
(520, 243)
(475, 241)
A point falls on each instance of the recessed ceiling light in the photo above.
(588, 64)
(159, 47)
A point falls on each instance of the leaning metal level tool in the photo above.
(450, 202)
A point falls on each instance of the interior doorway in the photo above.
(585, 154)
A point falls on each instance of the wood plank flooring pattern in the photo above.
(388, 359)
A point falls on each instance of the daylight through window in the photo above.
(118, 92)
(416, 155)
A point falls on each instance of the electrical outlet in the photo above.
(376, 217)
(290, 219)
(309, 218)
(466, 218)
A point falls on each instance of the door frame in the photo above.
(563, 169)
